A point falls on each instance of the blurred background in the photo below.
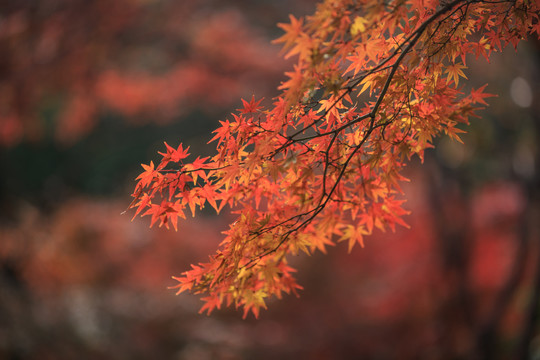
(91, 89)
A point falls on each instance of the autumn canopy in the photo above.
(374, 82)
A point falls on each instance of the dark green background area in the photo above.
(102, 162)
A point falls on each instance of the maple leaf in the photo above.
(209, 194)
(478, 95)
(148, 175)
(454, 71)
(355, 234)
(222, 133)
(292, 32)
(175, 155)
(196, 169)
(144, 200)
(495, 40)
(358, 61)
(254, 301)
(358, 26)
(182, 285)
(481, 48)
(210, 303)
(250, 107)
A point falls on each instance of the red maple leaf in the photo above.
(250, 107)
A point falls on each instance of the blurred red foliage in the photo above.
(65, 62)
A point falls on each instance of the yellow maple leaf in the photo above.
(454, 72)
(358, 26)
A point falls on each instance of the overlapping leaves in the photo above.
(374, 83)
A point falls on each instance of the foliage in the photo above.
(373, 84)
(67, 62)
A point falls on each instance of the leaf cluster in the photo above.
(373, 84)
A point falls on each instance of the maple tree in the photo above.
(374, 84)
